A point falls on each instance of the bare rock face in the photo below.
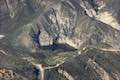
(6, 74)
(62, 20)
(9, 75)
(76, 28)
(106, 11)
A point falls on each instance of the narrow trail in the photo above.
(42, 69)
(3, 52)
(110, 49)
(104, 49)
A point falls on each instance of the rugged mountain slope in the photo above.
(87, 47)
(108, 11)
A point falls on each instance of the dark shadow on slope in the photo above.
(64, 47)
